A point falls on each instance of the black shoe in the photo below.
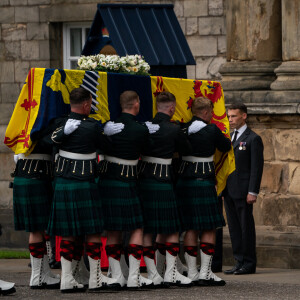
(216, 269)
(244, 270)
(234, 269)
(55, 265)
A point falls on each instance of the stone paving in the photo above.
(265, 284)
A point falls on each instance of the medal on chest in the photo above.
(242, 146)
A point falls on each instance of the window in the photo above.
(74, 36)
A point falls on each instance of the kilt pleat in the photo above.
(121, 205)
(31, 203)
(76, 208)
(159, 206)
(198, 205)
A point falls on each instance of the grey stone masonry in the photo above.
(18, 2)
(21, 70)
(67, 13)
(26, 14)
(39, 2)
(6, 110)
(12, 50)
(203, 46)
(191, 26)
(30, 50)
(7, 71)
(37, 31)
(195, 8)
(6, 193)
(212, 26)
(44, 50)
(10, 92)
(3, 147)
(4, 2)
(13, 32)
(215, 7)
(7, 15)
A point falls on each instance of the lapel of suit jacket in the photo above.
(242, 137)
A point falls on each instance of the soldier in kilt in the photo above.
(32, 196)
(76, 209)
(158, 200)
(196, 192)
(118, 188)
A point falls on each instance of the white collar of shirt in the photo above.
(241, 130)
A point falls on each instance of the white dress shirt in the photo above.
(241, 130)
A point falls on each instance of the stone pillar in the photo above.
(253, 47)
(288, 73)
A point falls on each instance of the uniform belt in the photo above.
(121, 161)
(35, 156)
(79, 156)
(157, 160)
(198, 159)
(101, 157)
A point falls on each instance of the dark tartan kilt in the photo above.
(76, 208)
(198, 205)
(32, 203)
(121, 206)
(159, 206)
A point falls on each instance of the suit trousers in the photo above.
(242, 231)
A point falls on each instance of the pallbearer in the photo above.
(32, 196)
(76, 210)
(197, 194)
(118, 188)
(157, 194)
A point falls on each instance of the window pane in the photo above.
(76, 42)
(74, 64)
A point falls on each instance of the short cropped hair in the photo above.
(128, 99)
(79, 95)
(239, 105)
(200, 104)
(165, 97)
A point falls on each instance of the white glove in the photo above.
(16, 158)
(112, 128)
(152, 127)
(196, 126)
(71, 126)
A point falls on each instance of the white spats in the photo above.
(206, 276)
(40, 278)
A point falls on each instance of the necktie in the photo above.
(234, 137)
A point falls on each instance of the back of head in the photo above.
(201, 104)
(79, 95)
(164, 100)
(128, 99)
(240, 106)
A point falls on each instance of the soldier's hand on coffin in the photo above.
(71, 126)
(112, 128)
(196, 126)
(152, 127)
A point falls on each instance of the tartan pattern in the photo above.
(121, 206)
(76, 208)
(159, 207)
(198, 203)
(31, 203)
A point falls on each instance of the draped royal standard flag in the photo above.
(186, 91)
(45, 96)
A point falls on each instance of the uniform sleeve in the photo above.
(257, 164)
(103, 142)
(182, 143)
(223, 143)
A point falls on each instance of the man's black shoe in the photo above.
(244, 270)
(234, 269)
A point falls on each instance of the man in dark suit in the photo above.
(242, 190)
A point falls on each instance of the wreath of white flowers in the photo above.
(129, 64)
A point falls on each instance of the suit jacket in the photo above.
(249, 161)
